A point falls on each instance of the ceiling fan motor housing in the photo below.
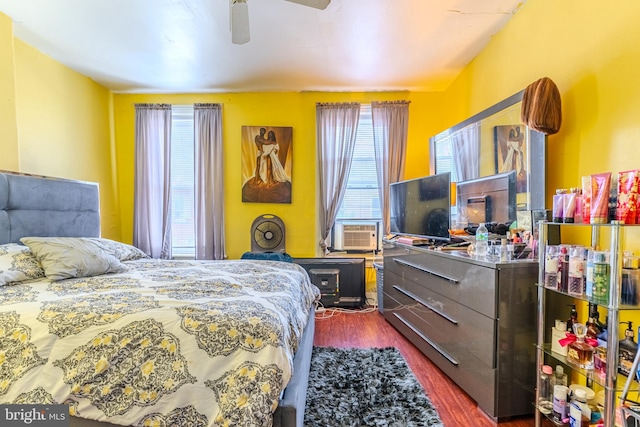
(267, 234)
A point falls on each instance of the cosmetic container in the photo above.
(559, 332)
(576, 271)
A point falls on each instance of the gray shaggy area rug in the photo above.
(365, 387)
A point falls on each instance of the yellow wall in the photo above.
(8, 129)
(62, 124)
(273, 109)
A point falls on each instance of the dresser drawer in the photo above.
(457, 330)
(474, 377)
(471, 285)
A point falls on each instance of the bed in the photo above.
(124, 339)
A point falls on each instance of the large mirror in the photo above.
(491, 142)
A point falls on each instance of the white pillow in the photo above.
(65, 257)
(120, 250)
(17, 263)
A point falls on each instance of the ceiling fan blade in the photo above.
(318, 4)
(239, 21)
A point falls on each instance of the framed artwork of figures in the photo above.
(266, 164)
(511, 153)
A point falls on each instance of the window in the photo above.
(443, 154)
(361, 202)
(443, 160)
(182, 182)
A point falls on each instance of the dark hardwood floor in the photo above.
(370, 329)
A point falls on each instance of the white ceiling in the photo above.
(184, 46)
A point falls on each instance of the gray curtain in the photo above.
(465, 144)
(209, 186)
(390, 128)
(336, 127)
(152, 181)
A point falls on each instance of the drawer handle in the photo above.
(426, 304)
(435, 346)
(433, 273)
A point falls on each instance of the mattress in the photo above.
(160, 342)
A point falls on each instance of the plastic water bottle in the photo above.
(482, 240)
(545, 401)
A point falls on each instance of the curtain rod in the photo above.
(153, 106)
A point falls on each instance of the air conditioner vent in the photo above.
(359, 237)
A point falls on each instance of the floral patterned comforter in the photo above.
(166, 343)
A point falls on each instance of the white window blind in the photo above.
(443, 148)
(361, 200)
(182, 181)
(444, 155)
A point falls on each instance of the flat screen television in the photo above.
(488, 199)
(421, 207)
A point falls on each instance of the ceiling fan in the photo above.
(240, 17)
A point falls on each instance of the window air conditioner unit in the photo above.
(360, 237)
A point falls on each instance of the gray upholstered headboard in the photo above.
(42, 206)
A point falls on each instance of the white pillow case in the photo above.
(120, 250)
(17, 264)
(65, 257)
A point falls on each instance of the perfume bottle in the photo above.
(580, 353)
